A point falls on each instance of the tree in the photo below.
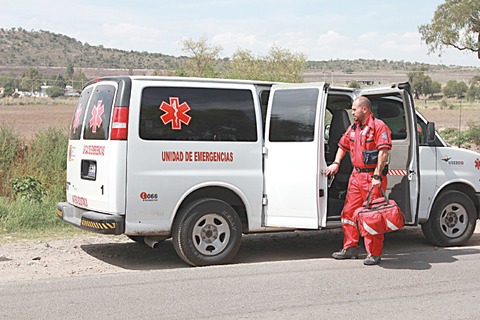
(354, 84)
(473, 92)
(31, 80)
(9, 82)
(434, 87)
(283, 65)
(279, 65)
(421, 83)
(70, 71)
(54, 92)
(79, 80)
(58, 81)
(203, 56)
(244, 65)
(456, 23)
(455, 89)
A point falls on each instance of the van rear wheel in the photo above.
(452, 220)
(206, 232)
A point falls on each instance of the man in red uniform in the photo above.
(368, 140)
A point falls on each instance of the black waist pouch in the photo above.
(370, 156)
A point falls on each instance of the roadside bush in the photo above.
(28, 188)
(10, 147)
(463, 138)
(454, 137)
(47, 160)
(473, 133)
(55, 92)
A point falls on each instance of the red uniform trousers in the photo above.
(359, 185)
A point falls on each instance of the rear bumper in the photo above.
(90, 220)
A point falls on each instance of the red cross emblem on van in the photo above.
(175, 113)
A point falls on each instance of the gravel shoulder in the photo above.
(29, 259)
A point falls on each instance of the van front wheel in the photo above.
(207, 232)
(452, 220)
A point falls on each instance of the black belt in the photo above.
(364, 169)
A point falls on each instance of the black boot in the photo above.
(349, 253)
(371, 260)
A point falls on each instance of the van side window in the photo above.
(202, 114)
(390, 111)
(97, 121)
(421, 132)
(79, 115)
(293, 115)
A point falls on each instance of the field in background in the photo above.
(27, 120)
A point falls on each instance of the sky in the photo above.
(322, 30)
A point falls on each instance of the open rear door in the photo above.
(295, 183)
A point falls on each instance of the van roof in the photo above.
(182, 79)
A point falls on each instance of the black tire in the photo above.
(452, 220)
(137, 239)
(207, 232)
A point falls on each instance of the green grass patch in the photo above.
(22, 215)
(32, 181)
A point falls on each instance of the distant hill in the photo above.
(20, 48)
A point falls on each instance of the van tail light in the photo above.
(119, 123)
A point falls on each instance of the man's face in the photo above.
(358, 112)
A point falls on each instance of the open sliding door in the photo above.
(295, 183)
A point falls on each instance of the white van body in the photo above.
(204, 161)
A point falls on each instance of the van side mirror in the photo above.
(430, 132)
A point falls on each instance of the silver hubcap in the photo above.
(454, 220)
(211, 234)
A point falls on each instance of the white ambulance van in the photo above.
(203, 161)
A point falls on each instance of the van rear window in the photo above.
(77, 121)
(197, 114)
(97, 120)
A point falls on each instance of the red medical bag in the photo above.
(379, 216)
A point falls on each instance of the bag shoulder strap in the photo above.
(367, 202)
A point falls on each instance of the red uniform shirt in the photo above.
(374, 135)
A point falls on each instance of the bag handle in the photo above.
(370, 195)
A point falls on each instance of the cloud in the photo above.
(231, 42)
(330, 37)
(405, 43)
(369, 36)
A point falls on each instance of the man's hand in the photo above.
(376, 183)
(332, 169)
